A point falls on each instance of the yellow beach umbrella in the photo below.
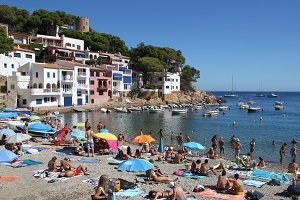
(80, 124)
(106, 136)
(143, 138)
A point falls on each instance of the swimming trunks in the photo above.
(90, 144)
(77, 172)
(251, 150)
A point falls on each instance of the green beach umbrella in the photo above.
(34, 117)
(80, 124)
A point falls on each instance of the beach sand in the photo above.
(29, 187)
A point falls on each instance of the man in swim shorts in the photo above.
(89, 134)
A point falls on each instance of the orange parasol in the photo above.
(143, 138)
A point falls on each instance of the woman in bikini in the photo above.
(102, 188)
(155, 177)
(237, 186)
(153, 194)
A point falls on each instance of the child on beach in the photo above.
(102, 188)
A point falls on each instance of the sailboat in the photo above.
(231, 95)
(260, 94)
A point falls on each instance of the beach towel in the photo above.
(32, 151)
(254, 183)
(113, 160)
(31, 162)
(27, 145)
(51, 177)
(67, 153)
(47, 147)
(212, 193)
(93, 181)
(187, 198)
(8, 178)
(262, 174)
(190, 175)
(129, 193)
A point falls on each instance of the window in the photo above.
(18, 55)
(53, 75)
(92, 92)
(92, 73)
(36, 74)
(78, 47)
(176, 80)
(53, 99)
(24, 101)
(83, 27)
(101, 93)
(92, 82)
(23, 73)
(12, 66)
(5, 65)
(114, 84)
(6, 53)
(39, 101)
(12, 87)
(160, 79)
(167, 87)
(176, 87)
(79, 93)
(92, 101)
(73, 45)
(97, 74)
(48, 74)
(46, 99)
(28, 56)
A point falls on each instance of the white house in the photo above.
(167, 83)
(37, 85)
(11, 61)
(81, 81)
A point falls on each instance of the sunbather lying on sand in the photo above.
(168, 194)
(70, 170)
(155, 177)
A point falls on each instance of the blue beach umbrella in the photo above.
(193, 145)
(7, 156)
(135, 164)
(104, 130)
(161, 147)
(8, 132)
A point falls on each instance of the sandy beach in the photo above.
(29, 187)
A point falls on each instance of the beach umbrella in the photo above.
(143, 138)
(8, 132)
(193, 145)
(106, 136)
(78, 134)
(135, 164)
(112, 144)
(34, 117)
(20, 137)
(161, 147)
(7, 156)
(80, 124)
(50, 115)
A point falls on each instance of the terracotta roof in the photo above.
(97, 68)
(52, 66)
(25, 50)
(75, 63)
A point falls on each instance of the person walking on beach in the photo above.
(252, 145)
(89, 134)
(180, 139)
(221, 145)
(237, 146)
(282, 151)
(293, 152)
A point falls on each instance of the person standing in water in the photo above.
(282, 151)
(221, 145)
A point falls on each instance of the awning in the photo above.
(126, 79)
(37, 49)
(117, 75)
(123, 68)
(63, 50)
(80, 53)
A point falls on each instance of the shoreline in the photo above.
(36, 188)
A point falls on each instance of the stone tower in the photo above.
(82, 24)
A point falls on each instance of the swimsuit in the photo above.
(77, 171)
(90, 144)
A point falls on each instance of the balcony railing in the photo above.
(81, 74)
(82, 86)
(52, 90)
(68, 91)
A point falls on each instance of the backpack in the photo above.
(274, 182)
(254, 195)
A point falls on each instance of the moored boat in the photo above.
(278, 107)
(155, 110)
(272, 95)
(121, 110)
(253, 109)
(210, 112)
(179, 111)
(221, 108)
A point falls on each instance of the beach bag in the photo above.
(253, 195)
(274, 182)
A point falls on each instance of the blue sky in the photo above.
(255, 41)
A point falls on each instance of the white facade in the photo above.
(10, 62)
(166, 82)
(81, 81)
(72, 43)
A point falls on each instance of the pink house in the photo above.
(100, 85)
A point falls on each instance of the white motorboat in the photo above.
(278, 103)
(210, 112)
(198, 107)
(105, 110)
(278, 107)
(132, 108)
(244, 106)
(12, 124)
(240, 102)
(179, 111)
(121, 110)
(155, 110)
(272, 95)
(221, 108)
(253, 109)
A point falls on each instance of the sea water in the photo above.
(276, 125)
